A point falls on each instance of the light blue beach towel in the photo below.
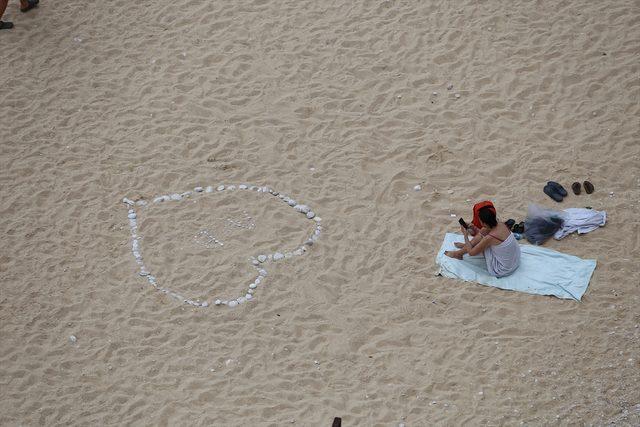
(542, 271)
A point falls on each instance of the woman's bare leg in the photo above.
(473, 241)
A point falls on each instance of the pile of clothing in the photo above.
(542, 224)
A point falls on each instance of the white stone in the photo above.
(141, 203)
(255, 262)
(278, 256)
(262, 272)
(317, 219)
(231, 187)
(291, 202)
(298, 252)
(232, 303)
(220, 187)
(258, 280)
(251, 291)
(159, 199)
(457, 95)
(241, 300)
(205, 304)
(282, 196)
(288, 255)
(209, 189)
(217, 302)
(302, 208)
(248, 297)
(198, 189)
(73, 339)
(311, 214)
(132, 216)
(127, 201)
(253, 286)
(186, 194)
(242, 187)
(262, 258)
(175, 197)
(450, 86)
(144, 273)
(417, 187)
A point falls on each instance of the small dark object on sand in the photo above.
(552, 192)
(576, 187)
(588, 187)
(30, 5)
(510, 223)
(337, 422)
(5, 25)
(559, 188)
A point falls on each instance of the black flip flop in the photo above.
(30, 5)
(5, 25)
(588, 187)
(510, 223)
(559, 188)
(552, 192)
(576, 188)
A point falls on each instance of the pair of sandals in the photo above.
(515, 227)
(557, 191)
(588, 187)
(30, 5)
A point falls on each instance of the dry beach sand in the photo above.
(342, 105)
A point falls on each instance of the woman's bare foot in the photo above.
(454, 254)
(459, 245)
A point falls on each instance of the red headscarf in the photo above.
(476, 210)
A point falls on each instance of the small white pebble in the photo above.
(73, 339)
(248, 297)
(311, 214)
(278, 256)
(262, 258)
(457, 95)
(417, 187)
(217, 302)
(253, 286)
(205, 304)
(232, 303)
(198, 189)
(242, 187)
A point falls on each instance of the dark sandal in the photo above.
(551, 192)
(588, 187)
(5, 25)
(576, 188)
(30, 5)
(559, 188)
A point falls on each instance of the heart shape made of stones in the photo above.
(259, 262)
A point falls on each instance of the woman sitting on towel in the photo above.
(495, 241)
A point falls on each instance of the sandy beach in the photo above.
(344, 106)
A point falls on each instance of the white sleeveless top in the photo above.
(503, 259)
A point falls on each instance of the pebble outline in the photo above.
(257, 262)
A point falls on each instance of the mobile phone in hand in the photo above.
(462, 223)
